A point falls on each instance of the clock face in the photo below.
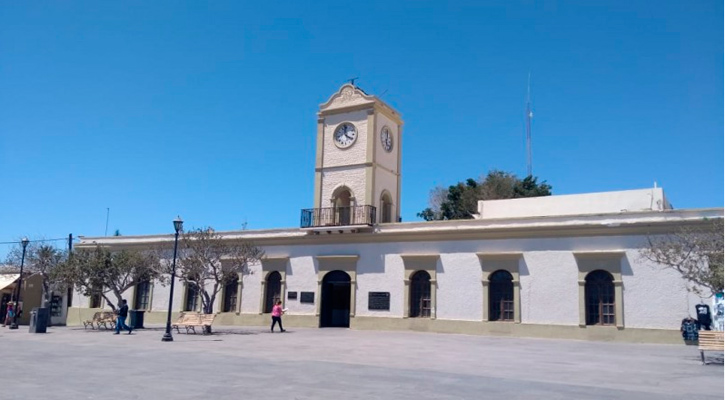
(345, 135)
(386, 138)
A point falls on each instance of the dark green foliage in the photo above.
(460, 201)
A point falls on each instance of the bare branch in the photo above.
(696, 252)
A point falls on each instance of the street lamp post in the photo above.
(16, 301)
(178, 226)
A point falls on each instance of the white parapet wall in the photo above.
(652, 199)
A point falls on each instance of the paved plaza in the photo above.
(251, 363)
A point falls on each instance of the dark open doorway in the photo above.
(335, 301)
(273, 291)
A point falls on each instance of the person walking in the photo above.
(9, 314)
(121, 318)
(277, 312)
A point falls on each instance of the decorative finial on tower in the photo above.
(352, 80)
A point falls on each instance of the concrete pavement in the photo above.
(72, 363)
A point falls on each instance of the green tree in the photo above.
(101, 271)
(460, 201)
(41, 259)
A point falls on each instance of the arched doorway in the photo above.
(273, 289)
(386, 208)
(343, 206)
(335, 300)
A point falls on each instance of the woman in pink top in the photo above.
(277, 315)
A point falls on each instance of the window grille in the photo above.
(501, 296)
(230, 296)
(420, 302)
(599, 298)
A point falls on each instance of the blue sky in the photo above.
(208, 111)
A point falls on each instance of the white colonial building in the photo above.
(558, 266)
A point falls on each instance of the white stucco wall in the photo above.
(575, 204)
(251, 289)
(386, 159)
(352, 177)
(654, 297)
(549, 288)
(356, 153)
(384, 180)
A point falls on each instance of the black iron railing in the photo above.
(337, 216)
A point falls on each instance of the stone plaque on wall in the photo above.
(379, 301)
(307, 297)
(291, 295)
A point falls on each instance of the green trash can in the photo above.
(135, 319)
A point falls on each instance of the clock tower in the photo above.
(357, 164)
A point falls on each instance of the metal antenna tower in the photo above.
(529, 115)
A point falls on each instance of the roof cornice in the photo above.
(629, 223)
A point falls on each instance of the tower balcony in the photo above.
(338, 216)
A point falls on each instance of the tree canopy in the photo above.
(101, 271)
(460, 201)
(40, 258)
(208, 262)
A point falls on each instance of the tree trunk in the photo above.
(46, 297)
(109, 302)
(208, 309)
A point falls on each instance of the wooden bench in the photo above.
(191, 320)
(105, 318)
(185, 320)
(709, 341)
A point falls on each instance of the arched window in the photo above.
(273, 289)
(599, 295)
(386, 208)
(420, 295)
(230, 296)
(501, 296)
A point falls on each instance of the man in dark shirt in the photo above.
(121, 318)
(703, 316)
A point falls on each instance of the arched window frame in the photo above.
(603, 307)
(419, 285)
(386, 211)
(420, 262)
(337, 214)
(269, 295)
(492, 262)
(501, 283)
(269, 265)
(611, 262)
